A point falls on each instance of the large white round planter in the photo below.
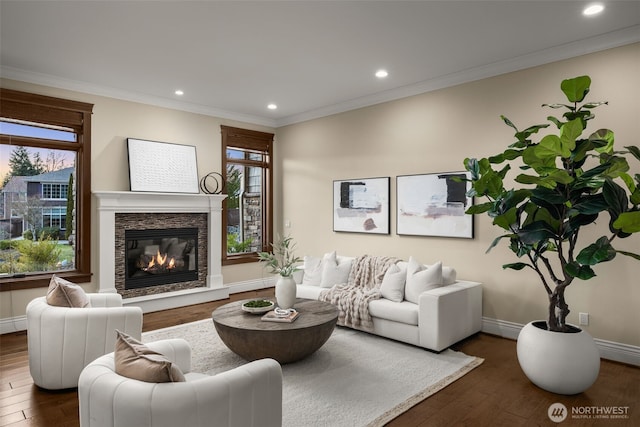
(286, 292)
(559, 362)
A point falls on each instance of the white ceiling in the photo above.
(311, 58)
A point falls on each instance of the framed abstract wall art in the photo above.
(434, 205)
(361, 205)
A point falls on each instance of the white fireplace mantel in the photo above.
(108, 203)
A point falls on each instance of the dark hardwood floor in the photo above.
(495, 394)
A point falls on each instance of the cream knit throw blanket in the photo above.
(352, 298)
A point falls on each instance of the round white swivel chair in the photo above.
(247, 396)
(63, 340)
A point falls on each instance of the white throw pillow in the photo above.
(393, 283)
(312, 271)
(449, 275)
(335, 270)
(421, 278)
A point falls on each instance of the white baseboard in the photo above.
(251, 285)
(609, 350)
(501, 328)
(618, 352)
(13, 324)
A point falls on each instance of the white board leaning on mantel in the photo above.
(162, 167)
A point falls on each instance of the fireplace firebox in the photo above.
(160, 256)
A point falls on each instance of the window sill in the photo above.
(241, 259)
(40, 281)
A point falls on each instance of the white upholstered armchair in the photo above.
(63, 340)
(247, 396)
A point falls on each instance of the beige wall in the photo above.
(434, 132)
(427, 133)
(113, 121)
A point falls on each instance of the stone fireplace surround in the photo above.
(158, 221)
(110, 203)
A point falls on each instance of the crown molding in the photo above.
(566, 51)
(110, 92)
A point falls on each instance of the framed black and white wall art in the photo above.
(434, 205)
(162, 167)
(361, 205)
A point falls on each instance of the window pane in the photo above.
(254, 180)
(36, 210)
(235, 240)
(235, 154)
(243, 153)
(244, 209)
(34, 130)
(256, 156)
(252, 207)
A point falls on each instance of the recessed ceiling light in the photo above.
(381, 74)
(272, 106)
(593, 9)
(179, 92)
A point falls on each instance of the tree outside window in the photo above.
(44, 190)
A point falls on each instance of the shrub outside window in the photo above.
(45, 189)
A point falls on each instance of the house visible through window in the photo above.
(44, 189)
(248, 211)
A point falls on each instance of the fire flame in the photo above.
(159, 260)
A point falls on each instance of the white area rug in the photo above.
(355, 379)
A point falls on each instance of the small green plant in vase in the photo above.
(282, 261)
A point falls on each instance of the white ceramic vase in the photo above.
(559, 362)
(286, 292)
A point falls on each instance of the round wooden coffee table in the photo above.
(251, 338)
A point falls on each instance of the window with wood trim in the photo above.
(247, 220)
(45, 194)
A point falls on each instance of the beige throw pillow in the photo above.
(62, 293)
(421, 278)
(135, 360)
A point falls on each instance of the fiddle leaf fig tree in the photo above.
(567, 180)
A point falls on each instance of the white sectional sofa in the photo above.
(412, 306)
